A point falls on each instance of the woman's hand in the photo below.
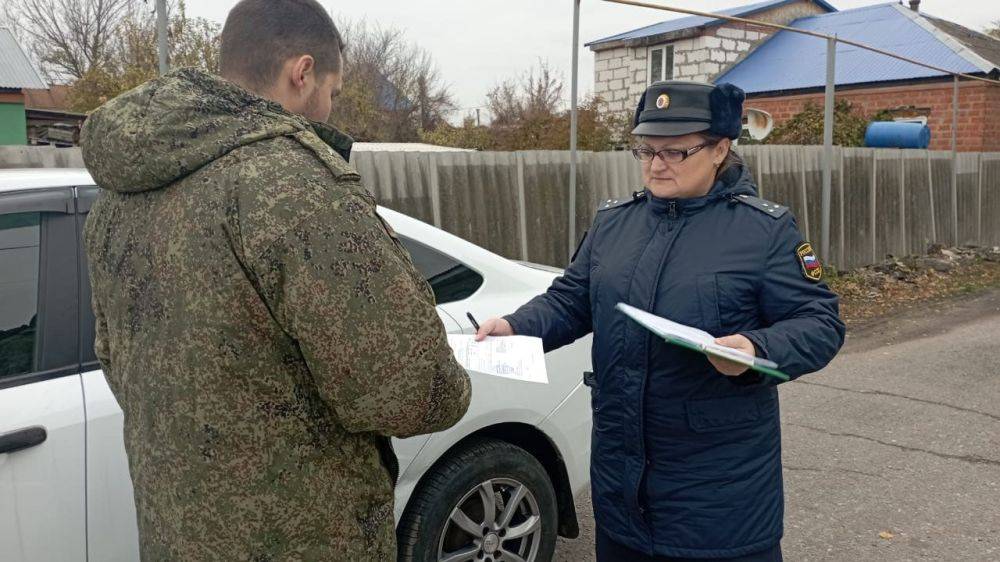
(494, 327)
(729, 368)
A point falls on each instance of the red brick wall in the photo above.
(12, 97)
(978, 109)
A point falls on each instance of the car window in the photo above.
(450, 279)
(20, 235)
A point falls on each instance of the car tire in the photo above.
(432, 530)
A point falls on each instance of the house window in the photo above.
(661, 63)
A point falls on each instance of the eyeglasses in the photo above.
(668, 155)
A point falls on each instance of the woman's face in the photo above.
(692, 177)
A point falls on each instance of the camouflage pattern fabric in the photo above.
(260, 326)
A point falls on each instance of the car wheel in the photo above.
(489, 502)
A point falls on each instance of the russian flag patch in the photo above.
(811, 267)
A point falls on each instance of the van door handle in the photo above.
(22, 439)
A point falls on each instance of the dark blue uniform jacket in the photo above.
(686, 462)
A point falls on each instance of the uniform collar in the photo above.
(335, 138)
(734, 181)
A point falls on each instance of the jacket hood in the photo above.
(170, 127)
(737, 180)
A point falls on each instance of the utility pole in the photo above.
(828, 124)
(572, 131)
(161, 35)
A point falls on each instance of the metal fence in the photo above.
(516, 204)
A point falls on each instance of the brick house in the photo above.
(874, 83)
(783, 71)
(689, 48)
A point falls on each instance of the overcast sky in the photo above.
(477, 43)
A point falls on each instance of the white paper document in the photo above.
(514, 357)
(690, 337)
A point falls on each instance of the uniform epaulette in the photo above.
(772, 209)
(614, 203)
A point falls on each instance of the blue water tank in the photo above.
(893, 134)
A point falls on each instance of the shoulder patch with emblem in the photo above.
(614, 203)
(811, 268)
(772, 209)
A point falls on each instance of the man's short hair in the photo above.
(261, 35)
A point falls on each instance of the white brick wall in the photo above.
(731, 32)
(711, 42)
(698, 56)
(620, 74)
(686, 45)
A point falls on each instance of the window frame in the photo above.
(85, 198)
(666, 72)
(406, 240)
(57, 349)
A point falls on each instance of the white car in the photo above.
(500, 485)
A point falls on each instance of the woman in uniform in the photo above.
(686, 449)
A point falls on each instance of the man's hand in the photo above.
(494, 327)
(730, 368)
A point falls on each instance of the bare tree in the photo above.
(543, 92)
(537, 94)
(504, 102)
(133, 54)
(392, 89)
(68, 37)
(994, 29)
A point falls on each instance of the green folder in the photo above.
(698, 340)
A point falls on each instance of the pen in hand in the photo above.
(473, 320)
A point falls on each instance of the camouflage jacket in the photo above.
(259, 324)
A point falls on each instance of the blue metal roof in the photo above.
(792, 61)
(698, 21)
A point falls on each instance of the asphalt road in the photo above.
(891, 453)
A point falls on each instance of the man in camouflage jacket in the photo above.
(260, 325)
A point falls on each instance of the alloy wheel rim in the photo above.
(496, 521)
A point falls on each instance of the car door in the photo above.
(112, 530)
(42, 454)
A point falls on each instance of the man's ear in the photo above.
(302, 67)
